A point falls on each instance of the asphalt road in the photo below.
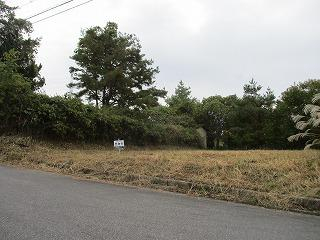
(39, 205)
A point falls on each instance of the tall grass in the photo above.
(287, 173)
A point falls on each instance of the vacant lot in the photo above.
(266, 178)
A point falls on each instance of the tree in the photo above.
(112, 71)
(15, 34)
(311, 126)
(269, 99)
(251, 92)
(212, 116)
(252, 89)
(292, 102)
(297, 96)
(248, 120)
(15, 93)
(181, 101)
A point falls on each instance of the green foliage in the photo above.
(297, 96)
(253, 121)
(168, 128)
(68, 119)
(15, 92)
(244, 122)
(251, 89)
(165, 115)
(212, 114)
(182, 102)
(15, 35)
(112, 71)
(292, 102)
(310, 126)
(258, 121)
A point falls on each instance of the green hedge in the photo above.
(68, 119)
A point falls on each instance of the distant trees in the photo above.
(256, 120)
(181, 101)
(15, 35)
(250, 125)
(212, 114)
(112, 71)
(238, 123)
(241, 123)
(66, 118)
(123, 79)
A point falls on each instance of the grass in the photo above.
(269, 178)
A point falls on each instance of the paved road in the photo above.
(39, 205)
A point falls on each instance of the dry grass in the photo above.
(279, 174)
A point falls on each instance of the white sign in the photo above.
(119, 144)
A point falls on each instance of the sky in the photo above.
(213, 46)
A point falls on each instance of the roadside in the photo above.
(286, 180)
(41, 205)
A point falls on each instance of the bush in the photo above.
(68, 119)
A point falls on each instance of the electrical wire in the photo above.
(62, 11)
(47, 10)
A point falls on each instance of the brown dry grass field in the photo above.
(272, 177)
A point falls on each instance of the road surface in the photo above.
(39, 205)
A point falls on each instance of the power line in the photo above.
(47, 10)
(62, 11)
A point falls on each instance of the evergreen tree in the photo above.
(15, 35)
(181, 101)
(112, 71)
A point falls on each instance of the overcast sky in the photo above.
(214, 46)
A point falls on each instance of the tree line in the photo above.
(113, 95)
